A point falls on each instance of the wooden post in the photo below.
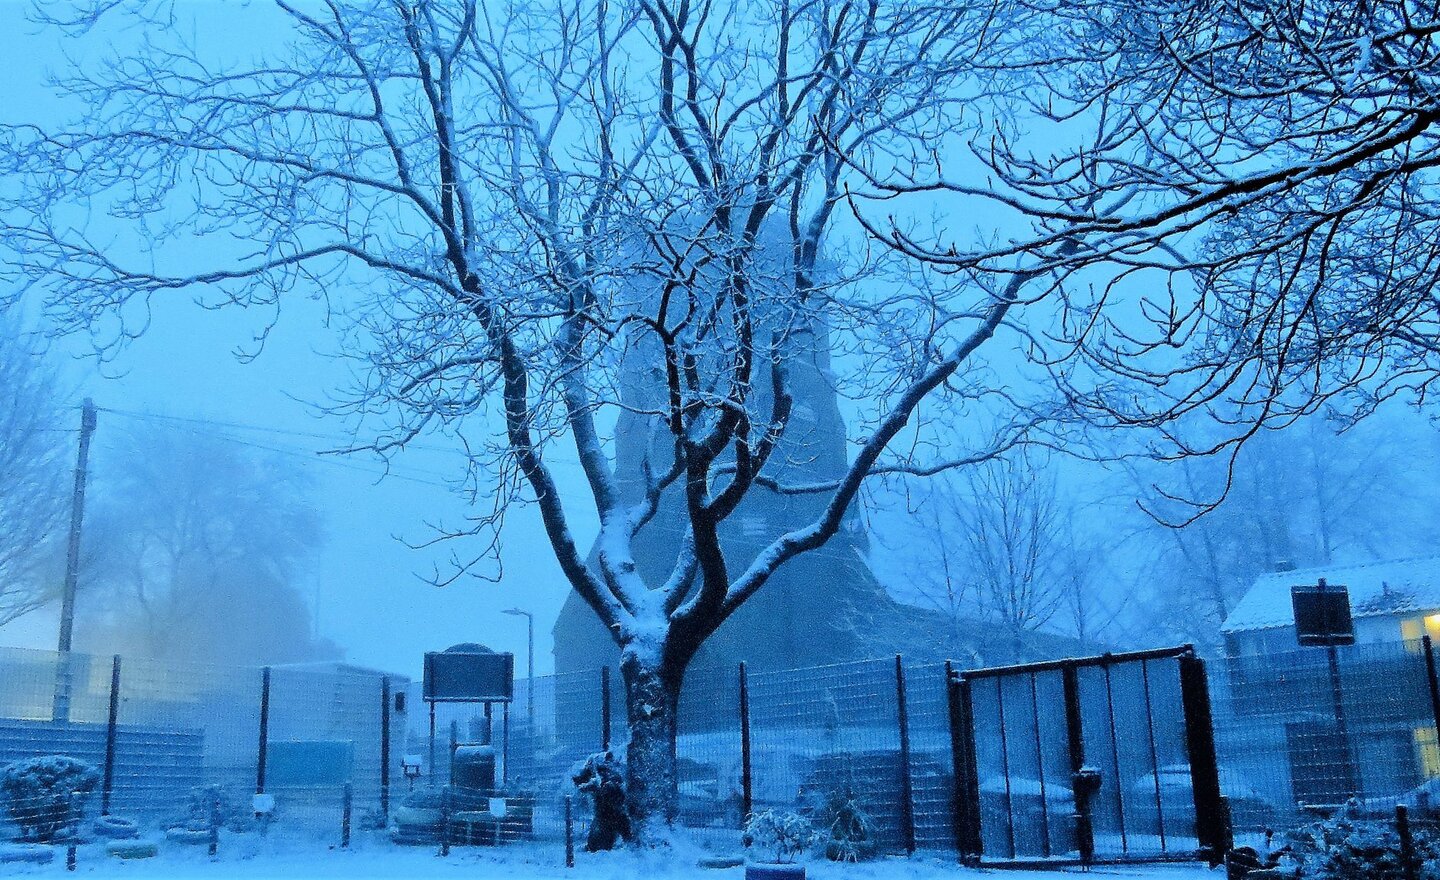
(1212, 825)
(747, 780)
(264, 730)
(1407, 843)
(111, 728)
(907, 783)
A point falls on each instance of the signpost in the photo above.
(1323, 619)
(468, 673)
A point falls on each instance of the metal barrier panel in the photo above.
(1083, 759)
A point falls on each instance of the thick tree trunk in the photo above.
(652, 694)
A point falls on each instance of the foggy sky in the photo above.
(372, 601)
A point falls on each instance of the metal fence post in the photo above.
(347, 797)
(1434, 686)
(907, 783)
(1407, 843)
(605, 708)
(966, 806)
(747, 791)
(1075, 738)
(385, 748)
(110, 732)
(569, 833)
(264, 730)
(1212, 826)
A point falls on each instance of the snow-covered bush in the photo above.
(1346, 847)
(848, 828)
(784, 833)
(46, 794)
(201, 804)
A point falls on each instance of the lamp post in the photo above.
(529, 665)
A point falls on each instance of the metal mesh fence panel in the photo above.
(708, 755)
(180, 728)
(184, 745)
(931, 766)
(1296, 734)
(826, 733)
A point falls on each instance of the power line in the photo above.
(309, 455)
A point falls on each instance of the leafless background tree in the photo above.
(196, 549)
(34, 489)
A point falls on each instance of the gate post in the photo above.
(747, 792)
(966, 806)
(1081, 777)
(110, 731)
(1212, 827)
(907, 784)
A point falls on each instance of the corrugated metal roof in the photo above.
(1377, 588)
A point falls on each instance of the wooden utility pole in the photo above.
(77, 517)
(61, 710)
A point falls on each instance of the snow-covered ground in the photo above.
(374, 860)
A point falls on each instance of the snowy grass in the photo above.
(373, 859)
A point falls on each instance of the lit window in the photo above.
(1413, 628)
(1428, 751)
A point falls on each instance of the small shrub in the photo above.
(201, 801)
(786, 834)
(46, 794)
(847, 827)
(1345, 847)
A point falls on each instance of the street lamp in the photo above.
(529, 664)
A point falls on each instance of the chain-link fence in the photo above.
(1301, 732)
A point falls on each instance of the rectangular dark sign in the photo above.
(454, 677)
(1322, 615)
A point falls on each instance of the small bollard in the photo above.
(445, 821)
(1407, 842)
(569, 834)
(345, 816)
(74, 817)
(215, 826)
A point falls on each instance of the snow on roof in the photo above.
(1378, 588)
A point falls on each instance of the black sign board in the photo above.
(469, 677)
(1322, 615)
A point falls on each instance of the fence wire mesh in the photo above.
(1293, 737)
(1298, 735)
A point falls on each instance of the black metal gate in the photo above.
(1087, 760)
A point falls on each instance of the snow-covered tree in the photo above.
(535, 215)
(1270, 168)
